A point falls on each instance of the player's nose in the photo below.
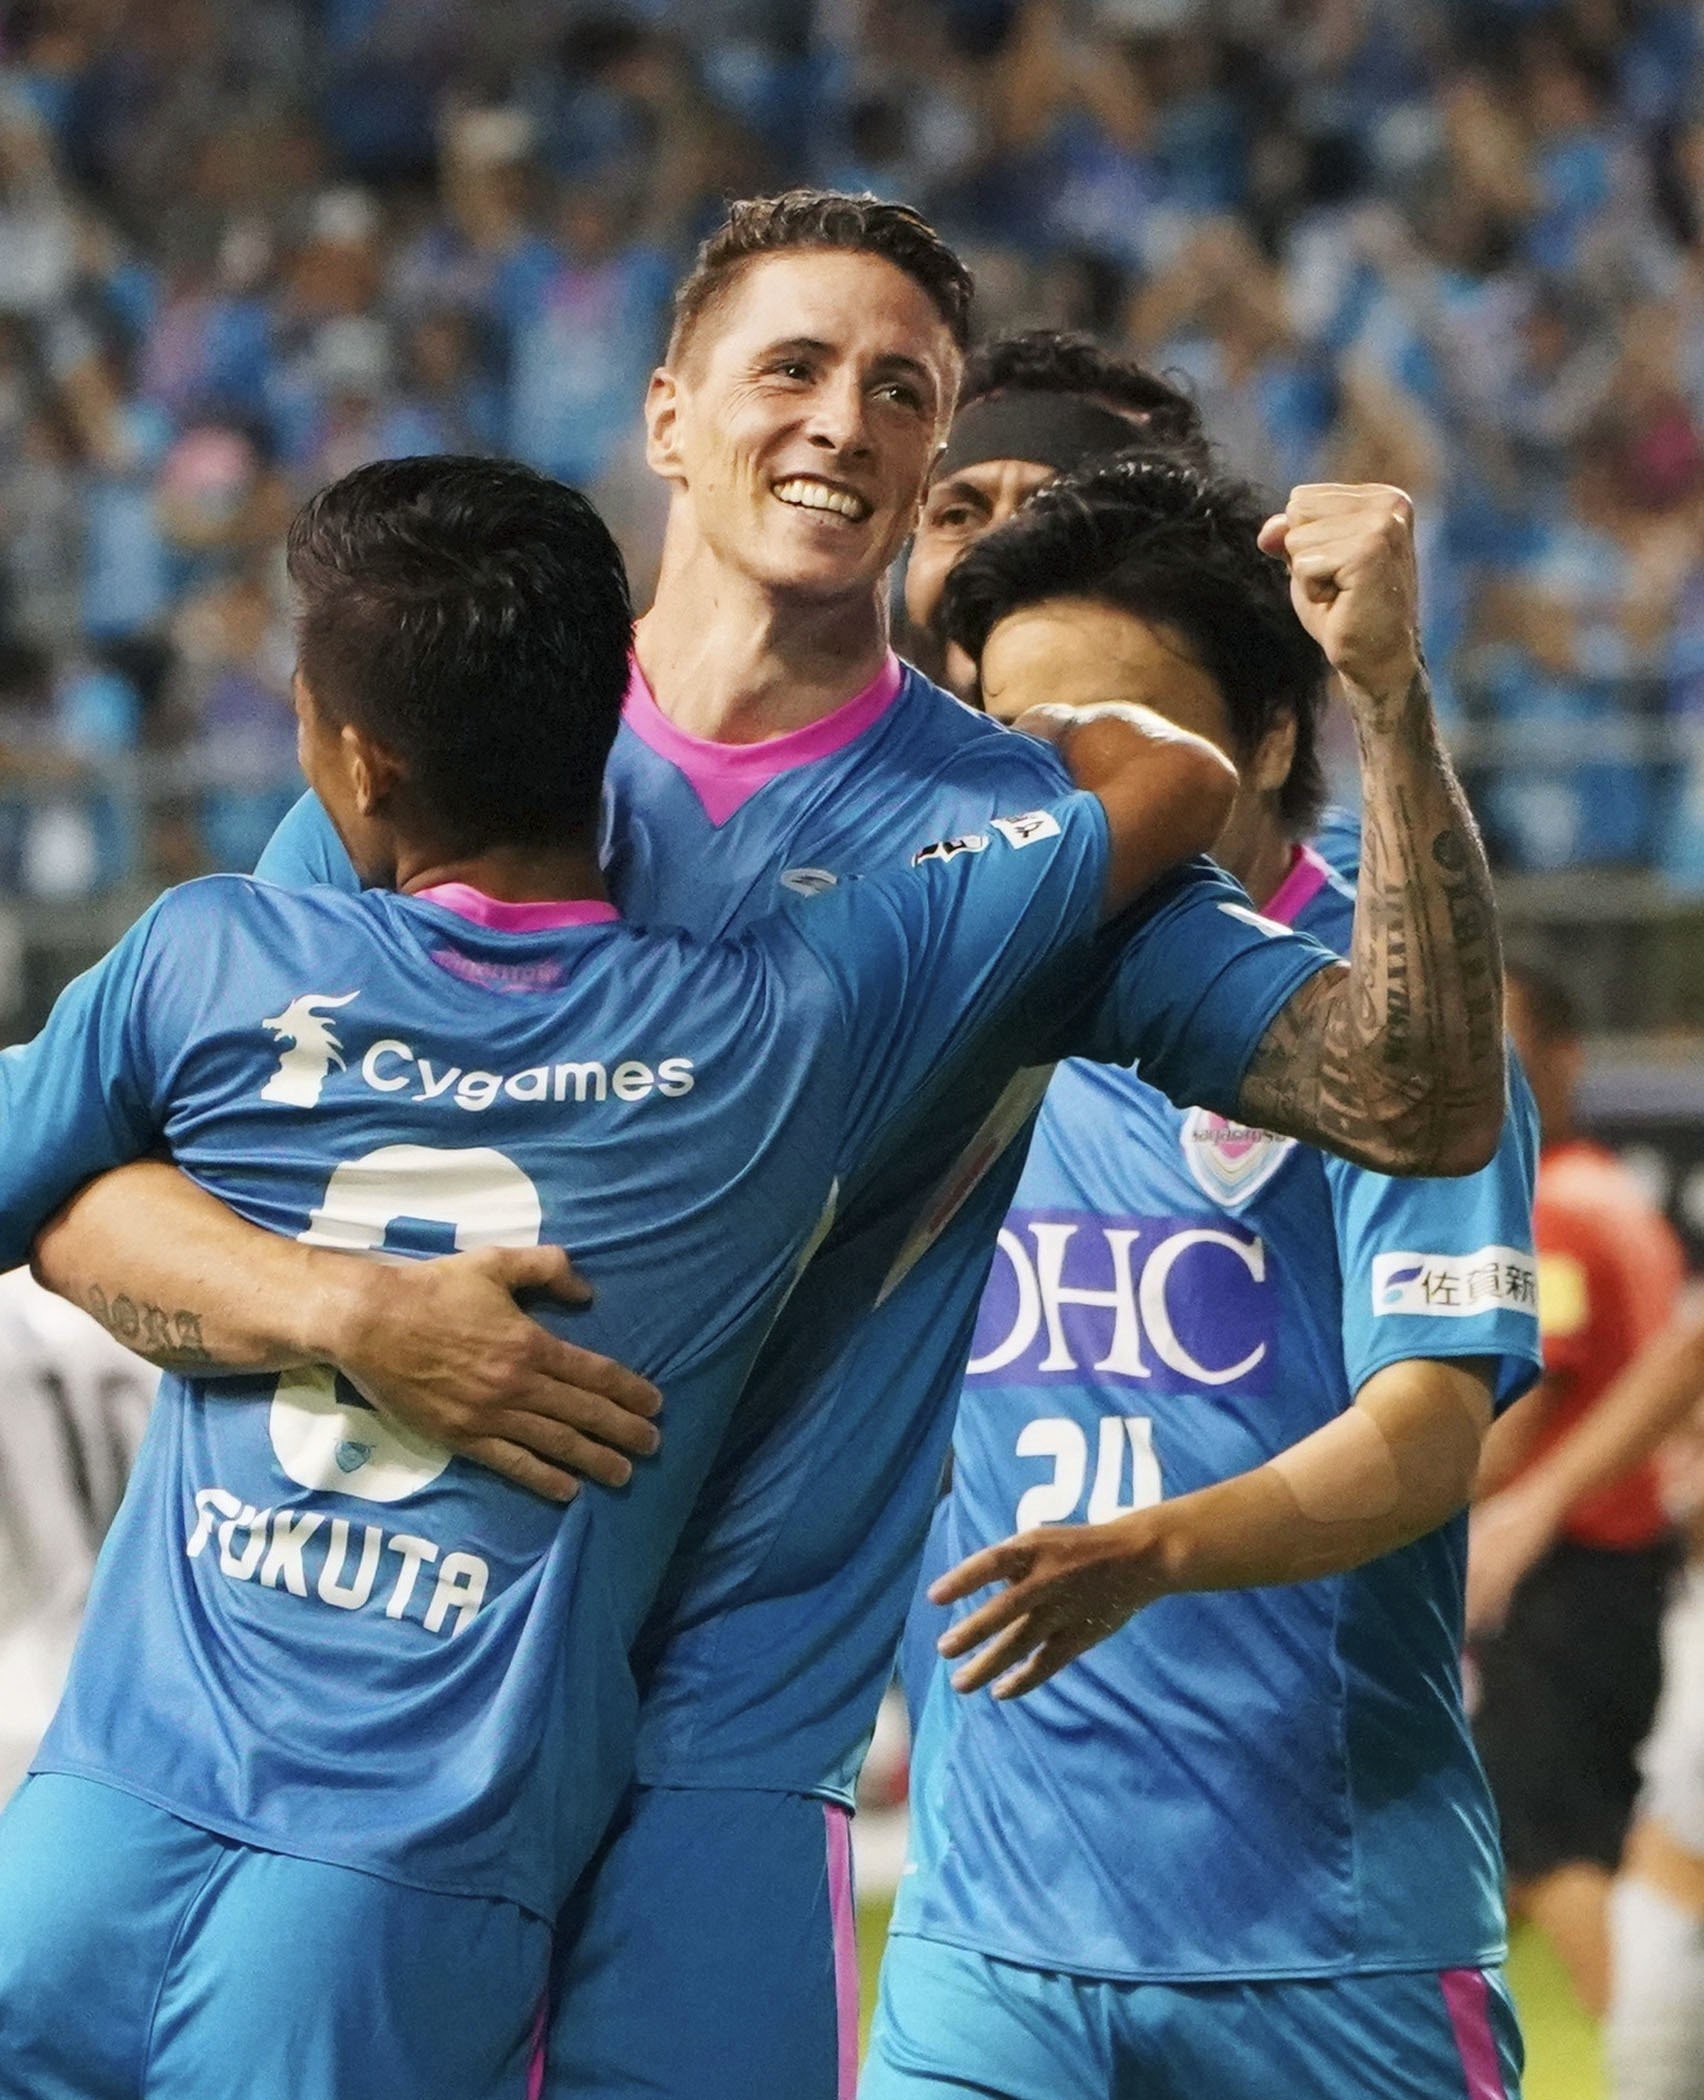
(839, 419)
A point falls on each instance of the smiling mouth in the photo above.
(802, 492)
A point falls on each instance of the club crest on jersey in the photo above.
(809, 882)
(310, 1048)
(950, 849)
(1230, 1162)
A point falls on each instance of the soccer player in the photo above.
(770, 743)
(1569, 1682)
(347, 1717)
(1241, 1848)
(1030, 407)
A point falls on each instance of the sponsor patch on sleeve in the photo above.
(1034, 825)
(1456, 1286)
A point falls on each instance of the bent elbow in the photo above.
(1467, 1145)
(1468, 1154)
(1447, 1148)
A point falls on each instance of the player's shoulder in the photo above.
(226, 900)
(963, 745)
(222, 935)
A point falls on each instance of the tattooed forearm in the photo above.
(1397, 1060)
(172, 1340)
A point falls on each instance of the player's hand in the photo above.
(1507, 1535)
(444, 1347)
(1354, 582)
(1067, 1586)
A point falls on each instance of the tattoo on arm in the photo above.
(1397, 1060)
(170, 1339)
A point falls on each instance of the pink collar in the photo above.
(499, 917)
(1309, 874)
(725, 776)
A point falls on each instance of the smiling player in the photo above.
(771, 743)
(340, 1702)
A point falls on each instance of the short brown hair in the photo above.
(860, 225)
(473, 616)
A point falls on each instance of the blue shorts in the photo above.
(143, 1956)
(710, 1954)
(950, 2023)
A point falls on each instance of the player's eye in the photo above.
(904, 393)
(793, 368)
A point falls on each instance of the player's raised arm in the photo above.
(1395, 1060)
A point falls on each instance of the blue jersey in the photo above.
(776, 1633)
(315, 1632)
(1256, 1783)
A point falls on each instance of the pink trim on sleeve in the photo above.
(1467, 1998)
(725, 776)
(536, 2062)
(845, 1924)
(1309, 874)
(500, 917)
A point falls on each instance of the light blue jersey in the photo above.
(767, 1658)
(1252, 1784)
(309, 1630)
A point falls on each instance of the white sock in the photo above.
(1654, 2035)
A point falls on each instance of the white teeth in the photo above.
(822, 495)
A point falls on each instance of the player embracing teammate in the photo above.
(771, 746)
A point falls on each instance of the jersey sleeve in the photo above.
(83, 1096)
(922, 959)
(1190, 980)
(306, 851)
(1444, 1268)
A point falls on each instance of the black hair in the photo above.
(1550, 1004)
(805, 219)
(1057, 361)
(474, 617)
(1162, 539)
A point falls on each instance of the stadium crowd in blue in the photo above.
(247, 244)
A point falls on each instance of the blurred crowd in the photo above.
(1457, 244)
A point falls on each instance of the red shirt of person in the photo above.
(1610, 1270)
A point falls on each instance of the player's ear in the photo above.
(662, 425)
(1274, 758)
(374, 771)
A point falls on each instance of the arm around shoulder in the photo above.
(1165, 792)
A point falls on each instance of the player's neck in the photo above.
(511, 875)
(1259, 859)
(732, 662)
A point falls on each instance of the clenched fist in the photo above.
(1353, 581)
